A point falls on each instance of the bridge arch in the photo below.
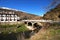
(29, 23)
(35, 25)
(25, 22)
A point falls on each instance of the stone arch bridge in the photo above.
(33, 24)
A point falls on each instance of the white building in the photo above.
(8, 15)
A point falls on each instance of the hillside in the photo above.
(53, 14)
(24, 15)
(21, 14)
(51, 32)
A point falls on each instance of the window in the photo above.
(12, 15)
(2, 16)
(2, 19)
(15, 15)
(10, 19)
(6, 20)
(18, 19)
(7, 15)
(14, 19)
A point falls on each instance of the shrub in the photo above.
(22, 28)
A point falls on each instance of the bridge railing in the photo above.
(51, 21)
(38, 20)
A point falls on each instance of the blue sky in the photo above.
(36, 7)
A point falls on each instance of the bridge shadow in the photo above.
(38, 27)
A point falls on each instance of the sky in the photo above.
(36, 7)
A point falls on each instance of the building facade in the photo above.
(8, 15)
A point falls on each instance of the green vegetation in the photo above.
(12, 28)
(21, 28)
(53, 32)
(7, 26)
(54, 26)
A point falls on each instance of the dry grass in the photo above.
(47, 34)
